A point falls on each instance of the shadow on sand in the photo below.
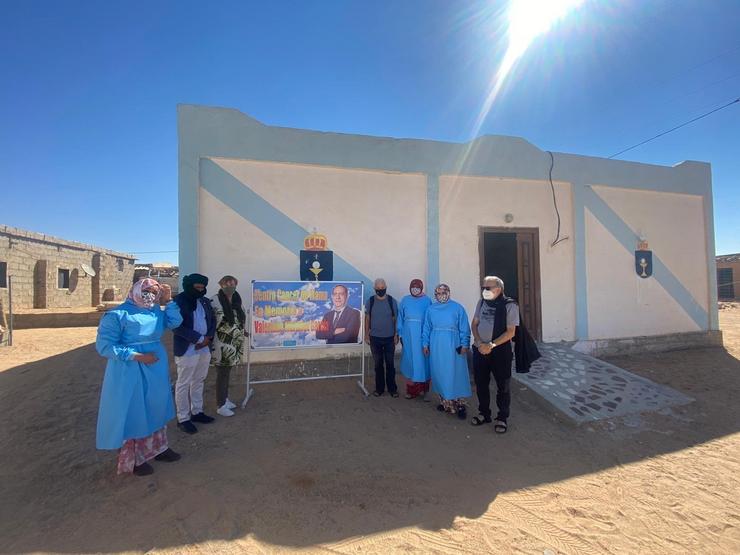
(311, 462)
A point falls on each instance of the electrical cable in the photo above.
(675, 128)
(558, 239)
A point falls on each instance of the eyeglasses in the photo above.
(491, 288)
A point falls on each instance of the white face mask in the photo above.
(148, 298)
(488, 295)
(442, 297)
(415, 291)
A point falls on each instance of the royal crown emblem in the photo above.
(315, 242)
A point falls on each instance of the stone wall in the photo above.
(35, 262)
(733, 263)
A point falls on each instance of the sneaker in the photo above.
(168, 455)
(188, 427)
(202, 417)
(229, 405)
(144, 469)
(462, 413)
(225, 411)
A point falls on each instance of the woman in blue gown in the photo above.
(410, 319)
(445, 339)
(136, 397)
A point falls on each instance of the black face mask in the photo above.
(193, 293)
(380, 292)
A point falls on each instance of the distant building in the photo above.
(48, 272)
(162, 272)
(728, 271)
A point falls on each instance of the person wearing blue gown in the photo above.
(136, 396)
(445, 339)
(414, 365)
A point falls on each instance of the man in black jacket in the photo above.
(494, 325)
(192, 352)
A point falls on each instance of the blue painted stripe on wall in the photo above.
(581, 277)
(432, 231)
(628, 238)
(256, 210)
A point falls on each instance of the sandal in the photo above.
(394, 394)
(480, 420)
(441, 408)
(409, 396)
(500, 427)
(376, 394)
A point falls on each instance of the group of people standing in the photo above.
(136, 397)
(435, 338)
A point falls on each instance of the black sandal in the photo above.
(500, 427)
(441, 408)
(480, 420)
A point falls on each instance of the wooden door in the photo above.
(529, 281)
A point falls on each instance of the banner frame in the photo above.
(360, 383)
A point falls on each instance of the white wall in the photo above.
(374, 220)
(620, 303)
(467, 203)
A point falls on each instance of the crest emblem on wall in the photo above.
(317, 261)
(643, 260)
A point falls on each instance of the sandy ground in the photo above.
(315, 467)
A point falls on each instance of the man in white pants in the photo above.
(192, 352)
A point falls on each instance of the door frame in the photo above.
(535, 328)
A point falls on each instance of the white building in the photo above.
(447, 212)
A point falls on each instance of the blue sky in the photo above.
(88, 138)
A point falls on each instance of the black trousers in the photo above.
(383, 350)
(498, 363)
(222, 384)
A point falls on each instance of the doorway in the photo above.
(513, 254)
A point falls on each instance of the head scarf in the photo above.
(416, 284)
(192, 279)
(139, 287)
(441, 289)
(190, 292)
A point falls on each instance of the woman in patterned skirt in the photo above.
(136, 397)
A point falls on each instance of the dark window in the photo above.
(725, 284)
(63, 279)
(120, 264)
(3, 275)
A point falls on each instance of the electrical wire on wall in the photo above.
(558, 239)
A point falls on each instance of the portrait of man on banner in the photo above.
(298, 314)
(341, 324)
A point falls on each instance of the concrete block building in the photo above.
(47, 272)
(597, 251)
(728, 274)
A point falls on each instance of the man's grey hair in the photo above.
(377, 280)
(497, 280)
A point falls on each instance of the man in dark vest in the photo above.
(380, 333)
(494, 325)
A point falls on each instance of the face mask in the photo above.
(148, 298)
(487, 295)
(228, 291)
(415, 291)
(442, 297)
(380, 292)
(195, 294)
